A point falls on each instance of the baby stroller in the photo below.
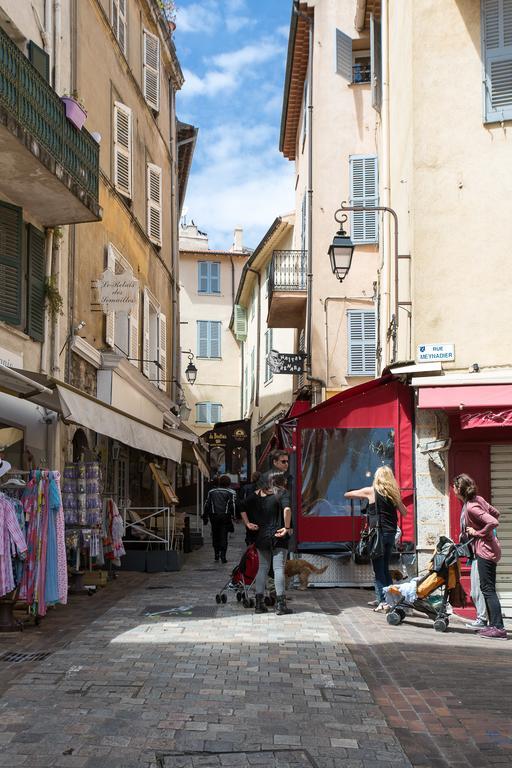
(444, 572)
(242, 580)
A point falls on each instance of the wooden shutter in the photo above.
(214, 277)
(364, 191)
(146, 349)
(376, 62)
(162, 351)
(110, 317)
(36, 276)
(361, 342)
(202, 277)
(497, 44)
(123, 149)
(151, 74)
(133, 324)
(240, 322)
(202, 413)
(215, 412)
(39, 60)
(11, 223)
(154, 197)
(215, 332)
(202, 338)
(343, 55)
(119, 22)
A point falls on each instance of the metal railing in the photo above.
(361, 73)
(288, 271)
(33, 103)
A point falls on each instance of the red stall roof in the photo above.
(468, 396)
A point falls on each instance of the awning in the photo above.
(91, 413)
(202, 462)
(498, 418)
(466, 397)
(31, 386)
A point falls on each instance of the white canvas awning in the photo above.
(91, 413)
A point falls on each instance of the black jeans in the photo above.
(487, 574)
(220, 537)
(381, 565)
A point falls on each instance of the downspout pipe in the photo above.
(45, 346)
(258, 337)
(57, 13)
(386, 189)
(175, 248)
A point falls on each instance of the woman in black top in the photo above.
(384, 500)
(267, 516)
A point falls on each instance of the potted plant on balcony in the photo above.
(75, 111)
(168, 9)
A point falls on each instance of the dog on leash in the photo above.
(303, 569)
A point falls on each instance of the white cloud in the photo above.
(200, 17)
(283, 31)
(236, 23)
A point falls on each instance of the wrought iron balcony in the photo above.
(46, 164)
(287, 289)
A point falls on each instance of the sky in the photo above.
(233, 56)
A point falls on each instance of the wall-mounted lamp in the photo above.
(341, 250)
(190, 370)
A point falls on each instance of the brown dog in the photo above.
(302, 569)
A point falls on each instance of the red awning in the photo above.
(469, 396)
(486, 419)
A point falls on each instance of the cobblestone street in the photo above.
(206, 685)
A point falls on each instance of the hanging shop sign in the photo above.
(117, 293)
(285, 363)
(435, 352)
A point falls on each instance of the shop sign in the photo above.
(428, 353)
(239, 434)
(285, 363)
(10, 359)
(117, 293)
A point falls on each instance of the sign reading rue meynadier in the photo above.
(285, 363)
(117, 293)
(428, 353)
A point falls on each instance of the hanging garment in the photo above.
(13, 545)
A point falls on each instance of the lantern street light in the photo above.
(341, 250)
(190, 370)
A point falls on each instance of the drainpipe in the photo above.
(385, 318)
(55, 344)
(232, 282)
(47, 34)
(45, 346)
(57, 45)
(175, 341)
(242, 379)
(258, 338)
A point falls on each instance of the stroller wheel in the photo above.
(441, 625)
(217, 598)
(223, 598)
(401, 613)
(239, 597)
(394, 618)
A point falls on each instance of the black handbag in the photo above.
(370, 545)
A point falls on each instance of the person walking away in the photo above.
(480, 523)
(384, 500)
(219, 511)
(267, 517)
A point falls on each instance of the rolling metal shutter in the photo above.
(501, 498)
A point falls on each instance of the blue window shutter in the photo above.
(361, 342)
(214, 277)
(343, 55)
(364, 191)
(202, 413)
(215, 413)
(202, 277)
(202, 338)
(215, 331)
(497, 56)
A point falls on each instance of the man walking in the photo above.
(219, 510)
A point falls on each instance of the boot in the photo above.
(216, 557)
(281, 609)
(223, 557)
(260, 605)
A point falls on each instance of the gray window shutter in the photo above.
(202, 338)
(215, 331)
(202, 277)
(11, 222)
(133, 322)
(364, 191)
(151, 67)
(376, 62)
(202, 413)
(240, 322)
(162, 351)
(361, 342)
(497, 44)
(343, 55)
(216, 413)
(36, 276)
(214, 277)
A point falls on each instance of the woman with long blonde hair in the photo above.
(384, 500)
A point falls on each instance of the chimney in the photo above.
(238, 240)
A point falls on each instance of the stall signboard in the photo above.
(428, 353)
(117, 293)
(281, 362)
(229, 444)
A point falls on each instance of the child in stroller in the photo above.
(242, 580)
(444, 572)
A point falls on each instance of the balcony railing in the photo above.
(33, 103)
(288, 271)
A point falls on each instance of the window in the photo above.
(208, 276)
(154, 353)
(154, 203)
(22, 272)
(208, 338)
(246, 389)
(151, 70)
(376, 62)
(268, 350)
(364, 191)
(119, 22)
(122, 328)
(208, 413)
(361, 342)
(240, 322)
(123, 149)
(361, 67)
(497, 57)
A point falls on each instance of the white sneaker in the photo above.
(476, 624)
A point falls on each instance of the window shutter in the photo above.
(201, 413)
(202, 338)
(361, 342)
(133, 320)
(110, 317)
(215, 332)
(39, 60)
(154, 196)
(268, 350)
(36, 276)
(376, 62)
(343, 55)
(202, 276)
(370, 339)
(123, 149)
(497, 42)
(214, 277)
(152, 70)
(246, 389)
(145, 346)
(11, 222)
(364, 191)
(162, 351)
(119, 22)
(240, 322)
(215, 412)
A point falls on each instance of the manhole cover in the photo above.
(285, 758)
(14, 657)
(184, 611)
(341, 695)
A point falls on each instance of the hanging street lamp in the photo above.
(341, 250)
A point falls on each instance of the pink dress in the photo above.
(12, 542)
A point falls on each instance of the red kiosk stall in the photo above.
(335, 447)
